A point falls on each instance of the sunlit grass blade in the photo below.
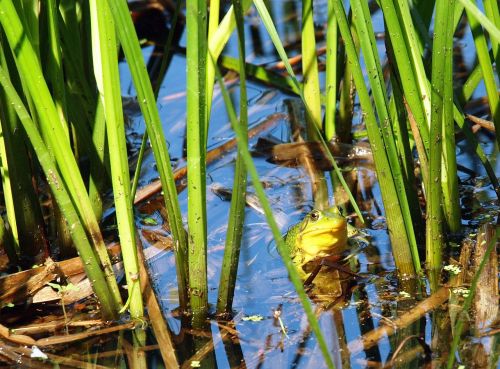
(488, 25)
(213, 24)
(130, 44)
(108, 82)
(282, 248)
(12, 249)
(310, 67)
(331, 74)
(220, 37)
(91, 265)
(229, 269)
(196, 55)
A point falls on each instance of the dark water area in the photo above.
(257, 339)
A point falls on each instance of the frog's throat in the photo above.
(322, 240)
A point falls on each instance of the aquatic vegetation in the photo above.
(391, 79)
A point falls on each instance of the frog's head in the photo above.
(321, 232)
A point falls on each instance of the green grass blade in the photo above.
(310, 67)
(54, 64)
(229, 270)
(130, 44)
(331, 74)
(196, 54)
(493, 13)
(473, 11)
(106, 70)
(449, 178)
(434, 225)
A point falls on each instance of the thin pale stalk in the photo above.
(217, 39)
(12, 248)
(90, 260)
(230, 262)
(130, 44)
(108, 83)
(282, 248)
(213, 23)
(196, 53)
(312, 97)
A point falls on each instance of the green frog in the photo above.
(321, 233)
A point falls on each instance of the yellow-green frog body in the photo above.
(321, 233)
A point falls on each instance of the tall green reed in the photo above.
(196, 127)
(108, 84)
(229, 269)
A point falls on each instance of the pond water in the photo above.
(263, 287)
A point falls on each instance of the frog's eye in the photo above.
(315, 215)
